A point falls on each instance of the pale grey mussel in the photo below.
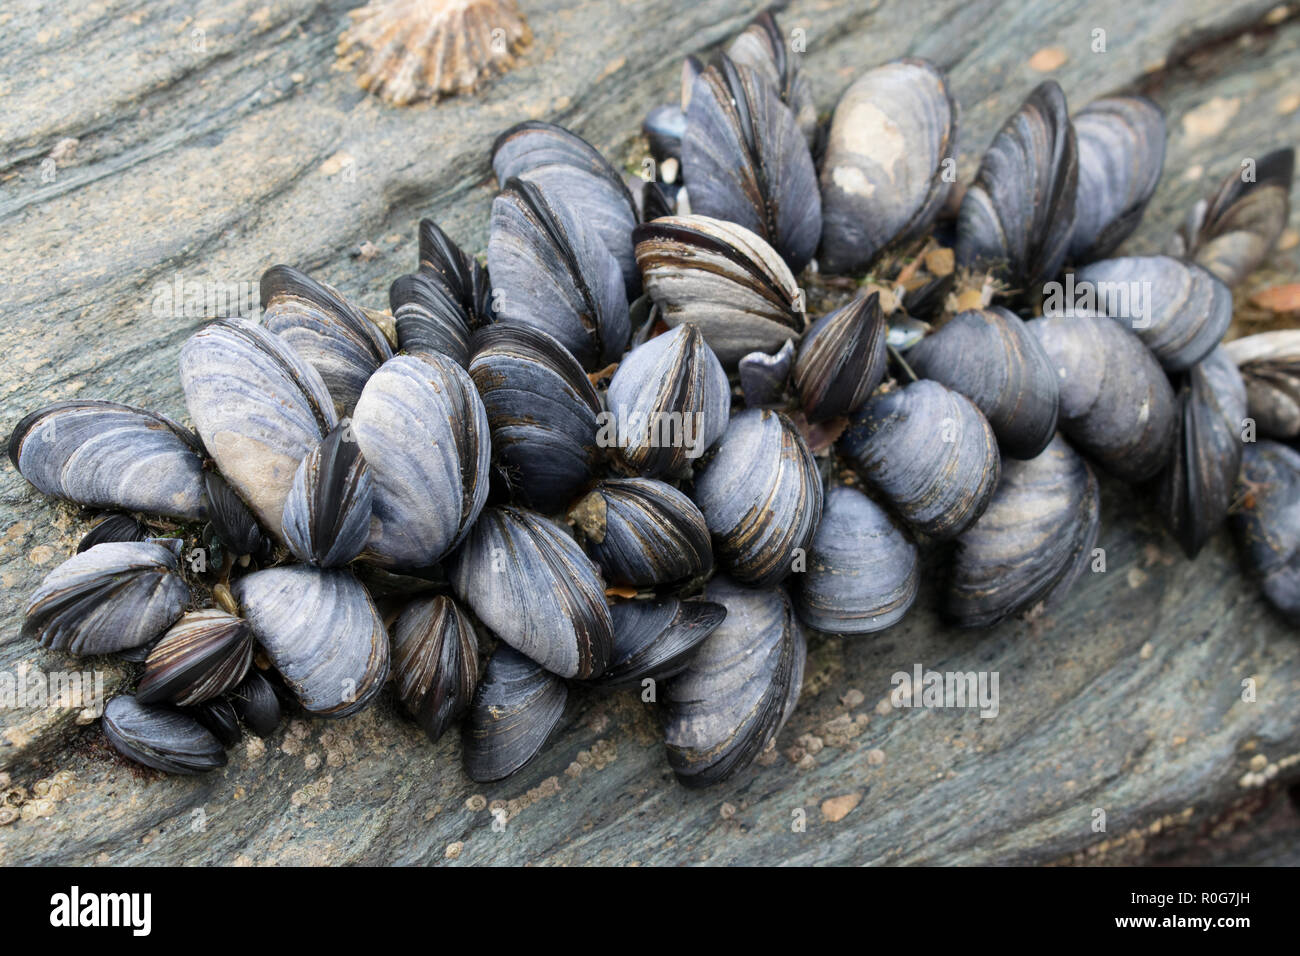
(736, 692)
(889, 162)
(763, 47)
(1270, 365)
(115, 527)
(516, 709)
(745, 160)
(161, 737)
(670, 402)
(1195, 489)
(257, 704)
(438, 308)
(642, 532)
(761, 496)
(327, 514)
(1267, 523)
(655, 639)
(1179, 310)
(542, 414)
(991, 357)
(862, 573)
(1032, 542)
(258, 407)
(108, 598)
(435, 662)
(551, 270)
(1121, 141)
(321, 630)
(531, 585)
(724, 279)
(930, 452)
(203, 655)
(842, 359)
(764, 377)
(1117, 406)
(231, 520)
(109, 455)
(325, 329)
(422, 428)
(1017, 217)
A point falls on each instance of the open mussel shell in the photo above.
(763, 47)
(257, 704)
(1121, 141)
(842, 359)
(322, 632)
(218, 715)
(991, 357)
(930, 452)
(161, 737)
(745, 160)
(655, 639)
(1178, 310)
(1270, 365)
(1196, 487)
(435, 662)
(232, 522)
(108, 455)
(642, 532)
(542, 413)
(108, 598)
(1017, 217)
(1267, 525)
(551, 270)
(421, 427)
(671, 402)
(203, 655)
(517, 707)
(1032, 542)
(862, 568)
(531, 585)
(324, 328)
(115, 527)
(890, 145)
(763, 377)
(722, 278)
(258, 407)
(327, 515)
(761, 496)
(734, 695)
(1117, 405)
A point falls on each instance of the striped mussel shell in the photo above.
(991, 357)
(930, 452)
(763, 377)
(203, 655)
(435, 662)
(1267, 525)
(1270, 365)
(321, 630)
(842, 359)
(531, 585)
(231, 520)
(891, 140)
(670, 400)
(761, 497)
(542, 414)
(862, 568)
(517, 707)
(762, 47)
(437, 309)
(114, 527)
(736, 692)
(257, 704)
(642, 532)
(161, 737)
(723, 279)
(327, 514)
(655, 639)
(1031, 544)
(551, 270)
(422, 429)
(108, 598)
(109, 455)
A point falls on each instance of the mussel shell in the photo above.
(531, 585)
(435, 662)
(108, 455)
(664, 126)
(655, 639)
(762, 47)
(517, 707)
(891, 140)
(257, 704)
(161, 737)
(422, 428)
(114, 527)
(642, 532)
(323, 633)
(761, 496)
(232, 522)
(327, 515)
(992, 358)
(1032, 542)
(731, 700)
(763, 377)
(465, 281)
(203, 655)
(218, 715)
(930, 452)
(1116, 403)
(1267, 525)
(842, 359)
(428, 320)
(1270, 365)
(108, 598)
(862, 568)
(673, 379)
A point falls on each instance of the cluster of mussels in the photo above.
(371, 496)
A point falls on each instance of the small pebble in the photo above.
(837, 808)
(1258, 762)
(727, 811)
(875, 757)
(853, 698)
